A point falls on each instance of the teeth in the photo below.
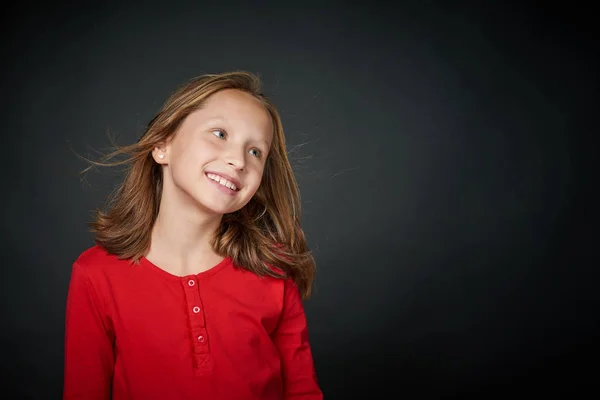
(222, 181)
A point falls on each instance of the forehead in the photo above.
(237, 108)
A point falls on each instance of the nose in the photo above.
(236, 157)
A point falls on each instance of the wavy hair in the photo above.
(264, 237)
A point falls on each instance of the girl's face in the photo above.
(217, 157)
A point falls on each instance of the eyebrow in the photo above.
(224, 120)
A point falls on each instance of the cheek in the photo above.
(257, 179)
(193, 153)
(184, 166)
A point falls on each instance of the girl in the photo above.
(194, 288)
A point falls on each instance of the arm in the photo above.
(291, 339)
(89, 358)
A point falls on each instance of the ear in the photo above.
(161, 154)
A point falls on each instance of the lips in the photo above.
(230, 178)
(224, 181)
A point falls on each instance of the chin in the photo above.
(212, 209)
(215, 208)
(218, 203)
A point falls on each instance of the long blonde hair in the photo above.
(264, 237)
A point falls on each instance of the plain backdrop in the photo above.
(444, 151)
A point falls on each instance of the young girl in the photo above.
(194, 288)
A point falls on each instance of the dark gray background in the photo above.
(444, 153)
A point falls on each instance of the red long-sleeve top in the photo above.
(135, 331)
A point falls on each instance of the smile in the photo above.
(222, 181)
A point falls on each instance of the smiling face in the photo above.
(217, 157)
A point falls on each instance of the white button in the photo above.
(191, 282)
(201, 339)
(196, 310)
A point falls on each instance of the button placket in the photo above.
(197, 322)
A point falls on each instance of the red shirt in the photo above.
(139, 332)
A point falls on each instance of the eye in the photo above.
(220, 133)
(256, 153)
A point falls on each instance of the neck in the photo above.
(181, 236)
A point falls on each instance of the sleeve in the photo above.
(291, 339)
(89, 358)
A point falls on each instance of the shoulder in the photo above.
(96, 261)
(261, 287)
(267, 296)
(285, 285)
(92, 256)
